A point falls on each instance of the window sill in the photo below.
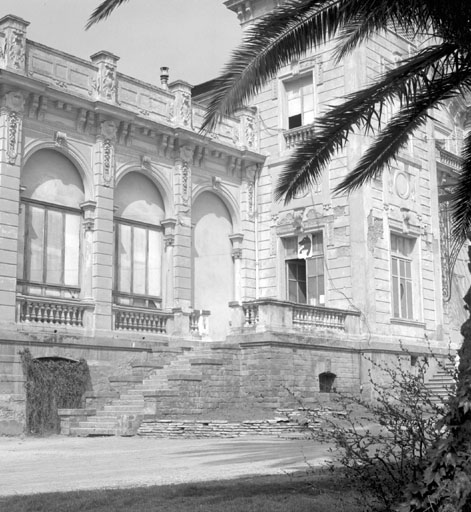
(405, 321)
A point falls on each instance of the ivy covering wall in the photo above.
(52, 384)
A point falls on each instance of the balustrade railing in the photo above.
(295, 136)
(250, 310)
(448, 158)
(309, 318)
(277, 315)
(41, 310)
(135, 319)
(199, 322)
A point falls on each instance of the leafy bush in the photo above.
(51, 384)
(381, 444)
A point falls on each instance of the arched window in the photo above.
(138, 239)
(49, 226)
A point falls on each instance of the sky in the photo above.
(194, 38)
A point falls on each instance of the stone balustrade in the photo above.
(295, 136)
(45, 310)
(448, 158)
(199, 322)
(276, 315)
(140, 319)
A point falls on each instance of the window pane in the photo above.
(295, 121)
(124, 258)
(154, 265)
(72, 249)
(396, 310)
(294, 106)
(394, 266)
(36, 244)
(55, 244)
(139, 260)
(409, 298)
(291, 246)
(402, 298)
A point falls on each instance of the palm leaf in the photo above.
(461, 201)
(397, 132)
(103, 11)
(360, 109)
(274, 41)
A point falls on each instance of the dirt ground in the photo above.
(33, 465)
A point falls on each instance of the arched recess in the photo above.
(49, 240)
(139, 210)
(213, 267)
(154, 175)
(72, 154)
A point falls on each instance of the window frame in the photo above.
(402, 274)
(317, 256)
(131, 298)
(286, 82)
(25, 254)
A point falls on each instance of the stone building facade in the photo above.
(129, 238)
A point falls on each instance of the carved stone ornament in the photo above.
(169, 240)
(108, 129)
(13, 134)
(185, 110)
(186, 183)
(107, 87)
(14, 101)
(250, 132)
(108, 162)
(60, 139)
(15, 50)
(186, 153)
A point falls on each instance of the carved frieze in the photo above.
(13, 136)
(108, 132)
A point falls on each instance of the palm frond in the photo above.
(461, 200)
(274, 41)
(373, 16)
(396, 134)
(360, 109)
(103, 11)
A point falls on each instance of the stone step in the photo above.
(122, 408)
(93, 431)
(97, 424)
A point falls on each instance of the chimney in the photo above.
(164, 77)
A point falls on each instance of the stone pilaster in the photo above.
(168, 263)
(11, 118)
(182, 245)
(88, 225)
(236, 240)
(103, 241)
(13, 43)
(248, 219)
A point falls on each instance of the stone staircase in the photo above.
(171, 389)
(441, 384)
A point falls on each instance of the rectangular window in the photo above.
(300, 102)
(138, 260)
(401, 267)
(50, 252)
(304, 260)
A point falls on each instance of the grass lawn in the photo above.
(316, 492)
